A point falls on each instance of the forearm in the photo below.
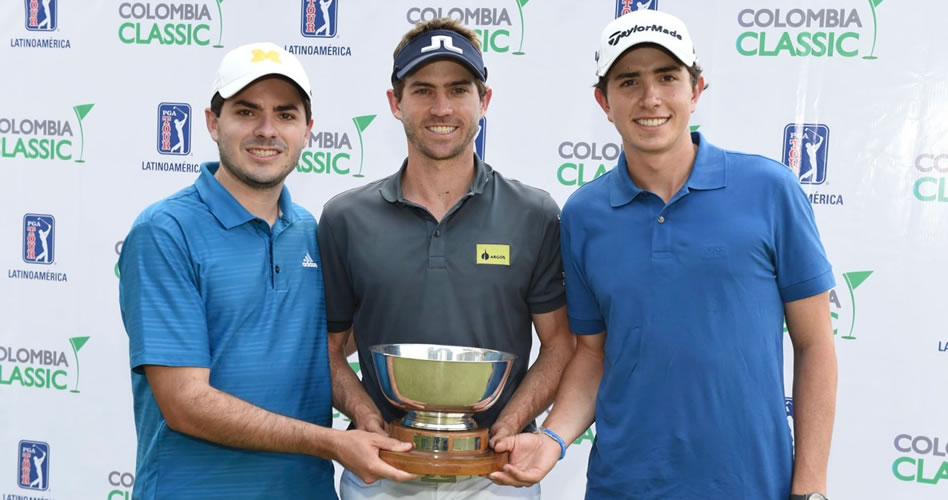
(348, 395)
(207, 413)
(575, 407)
(814, 405)
(539, 386)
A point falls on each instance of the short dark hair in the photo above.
(217, 102)
(694, 71)
(439, 23)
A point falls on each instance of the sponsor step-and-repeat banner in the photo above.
(101, 114)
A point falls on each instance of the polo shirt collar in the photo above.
(391, 188)
(228, 211)
(709, 172)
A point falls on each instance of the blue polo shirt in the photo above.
(691, 294)
(206, 284)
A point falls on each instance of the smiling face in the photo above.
(649, 97)
(260, 133)
(440, 108)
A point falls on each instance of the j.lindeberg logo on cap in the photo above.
(309, 262)
(619, 35)
(442, 41)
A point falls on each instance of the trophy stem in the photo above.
(439, 421)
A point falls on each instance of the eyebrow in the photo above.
(449, 84)
(657, 71)
(257, 107)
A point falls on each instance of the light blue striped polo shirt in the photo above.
(204, 283)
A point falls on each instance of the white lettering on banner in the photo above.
(471, 17)
(795, 18)
(42, 43)
(186, 12)
(164, 166)
(318, 50)
(33, 356)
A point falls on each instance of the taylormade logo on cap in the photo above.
(644, 26)
(619, 35)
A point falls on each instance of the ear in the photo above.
(485, 101)
(696, 93)
(603, 103)
(394, 104)
(309, 129)
(212, 122)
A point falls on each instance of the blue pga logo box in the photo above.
(623, 7)
(805, 148)
(32, 465)
(174, 128)
(39, 239)
(480, 141)
(41, 15)
(318, 18)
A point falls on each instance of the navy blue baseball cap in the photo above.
(439, 44)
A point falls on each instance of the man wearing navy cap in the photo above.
(444, 251)
(681, 264)
(222, 300)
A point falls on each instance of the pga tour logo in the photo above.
(41, 15)
(32, 471)
(318, 19)
(805, 149)
(174, 128)
(480, 141)
(39, 239)
(623, 7)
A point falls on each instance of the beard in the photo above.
(263, 181)
(428, 151)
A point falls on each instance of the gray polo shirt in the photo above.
(397, 275)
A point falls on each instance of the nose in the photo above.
(441, 105)
(650, 95)
(266, 126)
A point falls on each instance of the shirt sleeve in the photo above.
(547, 292)
(800, 260)
(340, 297)
(162, 308)
(585, 317)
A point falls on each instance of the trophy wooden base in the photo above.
(444, 453)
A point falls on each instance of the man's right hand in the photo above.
(358, 451)
(532, 456)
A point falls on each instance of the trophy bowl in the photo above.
(441, 387)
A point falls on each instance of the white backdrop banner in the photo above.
(101, 105)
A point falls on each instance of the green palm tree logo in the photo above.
(520, 5)
(875, 30)
(362, 123)
(853, 280)
(81, 111)
(220, 20)
(77, 343)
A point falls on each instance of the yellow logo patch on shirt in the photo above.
(498, 255)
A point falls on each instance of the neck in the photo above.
(437, 185)
(263, 203)
(662, 173)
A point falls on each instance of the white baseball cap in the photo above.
(644, 26)
(246, 63)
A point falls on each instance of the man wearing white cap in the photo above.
(222, 299)
(681, 264)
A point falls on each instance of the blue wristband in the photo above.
(554, 436)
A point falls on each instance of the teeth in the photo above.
(441, 129)
(263, 152)
(651, 122)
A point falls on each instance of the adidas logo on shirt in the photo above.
(308, 261)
